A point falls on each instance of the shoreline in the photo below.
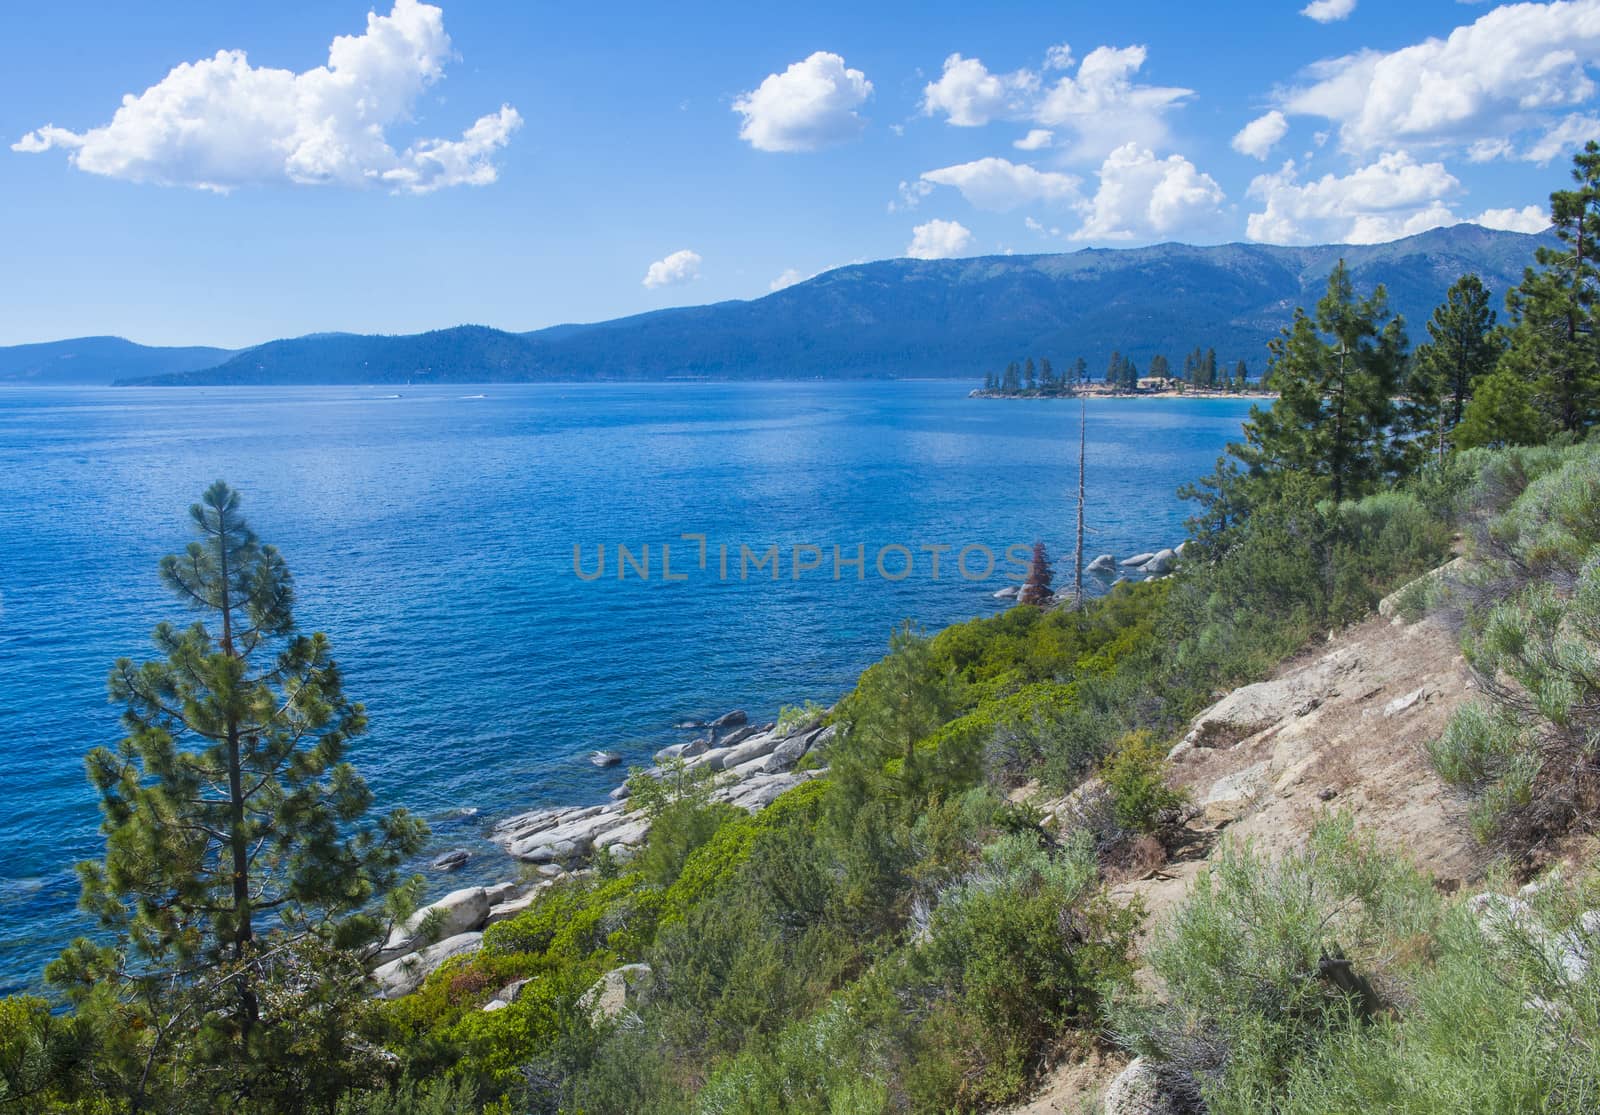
(980, 393)
(748, 765)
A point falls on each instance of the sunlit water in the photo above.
(432, 534)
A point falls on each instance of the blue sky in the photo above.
(522, 164)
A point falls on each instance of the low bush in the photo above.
(1136, 775)
(1266, 959)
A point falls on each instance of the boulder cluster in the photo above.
(753, 765)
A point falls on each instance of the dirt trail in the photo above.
(1343, 725)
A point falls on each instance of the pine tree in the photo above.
(1012, 381)
(1335, 416)
(1501, 412)
(1555, 344)
(1080, 372)
(1463, 347)
(1036, 589)
(1159, 367)
(1241, 376)
(989, 381)
(1029, 374)
(1047, 375)
(237, 837)
(1208, 368)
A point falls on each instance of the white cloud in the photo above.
(1261, 135)
(1037, 139)
(999, 184)
(1530, 218)
(811, 104)
(1328, 11)
(221, 123)
(679, 267)
(1563, 139)
(1489, 149)
(1105, 106)
(970, 96)
(790, 276)
(1101, 104)
(1141, 196)
(939, 240)
(1499, 75)
(1393, 197)
(911, 195)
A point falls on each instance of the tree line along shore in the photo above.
(902, 925)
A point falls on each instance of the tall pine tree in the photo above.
(1337, 376)
(1554, 341)
(236, 834)
(1463, 347)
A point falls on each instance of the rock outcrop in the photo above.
(404, 975)
(754, 765)
(616, 995)
(457, 912)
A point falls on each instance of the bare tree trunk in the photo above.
(1077, 561)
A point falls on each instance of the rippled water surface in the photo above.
(431, 532)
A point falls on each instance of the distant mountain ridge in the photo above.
(90, 360)
(906, 317)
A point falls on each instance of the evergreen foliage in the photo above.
(239, 854)
(1555, 345)
(1337, 376)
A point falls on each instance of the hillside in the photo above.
(908, 317)
(99, 360)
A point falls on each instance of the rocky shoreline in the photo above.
(750, 765)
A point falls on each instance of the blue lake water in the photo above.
(431, 532)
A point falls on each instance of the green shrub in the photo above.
(1489, 1024)
(1012, 955)
(1245, 962)
(794, 718)
(1136, 775)
(1528, 749)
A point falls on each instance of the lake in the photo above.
(432, 533)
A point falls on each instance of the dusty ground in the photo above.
(1344, 725)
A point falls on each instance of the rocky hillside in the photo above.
(1345, 725)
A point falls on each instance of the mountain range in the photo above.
(890, 318)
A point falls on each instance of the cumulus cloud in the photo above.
(970, 96)
(1392, 197)
(939, 240)
(221, 123)
(790, 276)
(1328, 11)
(1101, 104)
(1489, 149)
(1142, 196)
(1563, 138)
(1502, 74)
(1261, 135)
(1105, 106)
(1530, 218)
(1036, 140)
(999, 184)
(679, 267)
(812, 104)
